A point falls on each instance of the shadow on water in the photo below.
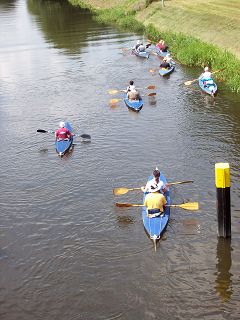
(223, 276)
(124, 221)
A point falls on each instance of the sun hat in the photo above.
(62, 124)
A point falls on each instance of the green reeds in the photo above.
(186, 49)
(194, 52)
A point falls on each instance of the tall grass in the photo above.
(186, 49)
(193, 52)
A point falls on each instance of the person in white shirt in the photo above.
(155, 183)
(131, 86)
(206, 77)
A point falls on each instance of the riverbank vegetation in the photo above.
(149, 18)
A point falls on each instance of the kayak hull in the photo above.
(155, 227)
(162, 53)
(134, 105)
(141, 54)
(210, 89)
(164, 72)
(63, 146)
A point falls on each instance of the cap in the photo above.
(62, 124)
(206, 69)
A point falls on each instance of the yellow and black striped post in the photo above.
(222, 180)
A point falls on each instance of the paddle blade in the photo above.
(187, 83)
(151, 87)
(113, 101)
(152, 70)
(42, 131)
(120, 191)
(113, 91)
(85, 136)
(190, 206)
(126, 205)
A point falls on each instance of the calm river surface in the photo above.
(66, 251)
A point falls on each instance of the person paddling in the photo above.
(154, 202)
(206, 77)
(165, 63)
(139, 47)
(162, 46)
(132, 93)
(156, 183)
(131, 86)
(63, 133)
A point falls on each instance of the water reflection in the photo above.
(224, 261)
(7, 4)
(57, 19)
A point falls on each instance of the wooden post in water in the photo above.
(222, 181)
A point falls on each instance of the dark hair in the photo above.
(131, 83)
(156, 173)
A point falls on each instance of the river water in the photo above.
(66, 251)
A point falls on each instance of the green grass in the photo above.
(213, 21)
(185, 46)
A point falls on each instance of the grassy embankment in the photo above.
(192, 29)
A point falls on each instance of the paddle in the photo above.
(154, 53)
(186, 206)
(187, 83)
(113, 91)
(120, 191)
(84, 135)
(44, 131)
(112, 101)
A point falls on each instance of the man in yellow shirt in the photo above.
(154, 202)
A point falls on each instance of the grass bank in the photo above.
(146, 17)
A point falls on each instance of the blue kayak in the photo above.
(209, 88)
(157, 225)
(142, 54)
(62, 146)
(135, 105)
(165, 71)
(162, 53)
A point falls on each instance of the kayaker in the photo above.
(133, 95)
(154, 202)
(140, 47)
(63, 133)
(206, 77)
(137, 45)
(131, 86)
(165, 63)
(162, 46)
(156, 183)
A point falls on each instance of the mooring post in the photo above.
(222, 180)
